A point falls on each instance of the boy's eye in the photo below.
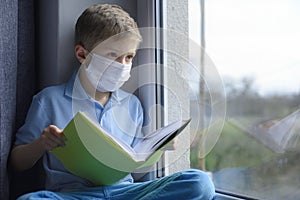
(129, 58)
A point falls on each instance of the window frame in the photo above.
(149, 15)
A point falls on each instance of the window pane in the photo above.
(255, 47)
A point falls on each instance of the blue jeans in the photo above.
(186, 185)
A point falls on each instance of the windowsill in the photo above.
(225, 197)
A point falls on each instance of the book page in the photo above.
(113, 139)
(160, 137)
(145, 147)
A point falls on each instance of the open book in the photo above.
(93, 153)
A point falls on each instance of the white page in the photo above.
(118, 141)
(150, 143)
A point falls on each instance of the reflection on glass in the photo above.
(255, 45)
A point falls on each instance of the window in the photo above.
(255, 47)
(160, 85)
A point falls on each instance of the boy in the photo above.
(106, 41)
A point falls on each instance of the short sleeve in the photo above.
(36, 121)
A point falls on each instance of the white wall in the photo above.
(177, 56)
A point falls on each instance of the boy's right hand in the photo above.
(52, 137)
(24, 156)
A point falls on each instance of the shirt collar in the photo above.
(74, 90)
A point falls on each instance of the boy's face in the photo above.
(120, 50)
(95, 73)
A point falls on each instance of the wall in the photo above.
(176, 24)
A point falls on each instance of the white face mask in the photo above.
(107, 75)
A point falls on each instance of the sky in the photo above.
(259, 39)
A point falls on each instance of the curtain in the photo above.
(26, 87)
(17, 77)
(8, 79)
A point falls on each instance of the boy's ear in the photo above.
(80, 53)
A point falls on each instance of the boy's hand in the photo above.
(52, 137)
(24, 156)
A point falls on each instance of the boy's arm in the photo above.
(24, 156)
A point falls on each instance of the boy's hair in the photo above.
(101, 21)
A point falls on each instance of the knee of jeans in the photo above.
(201, 183)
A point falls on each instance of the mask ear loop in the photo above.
(85, 64)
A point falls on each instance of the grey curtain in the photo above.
(8, 80)
(17, 77)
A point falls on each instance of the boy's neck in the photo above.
(102, 97)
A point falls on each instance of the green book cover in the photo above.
(94, 154)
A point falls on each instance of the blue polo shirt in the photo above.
(57, 105)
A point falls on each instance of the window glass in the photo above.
(255, 47)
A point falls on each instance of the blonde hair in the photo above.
(102, 21)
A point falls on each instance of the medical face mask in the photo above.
(107, 75)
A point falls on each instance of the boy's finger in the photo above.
(58, 134)
(53, 138)
(63, 137)
(54, 129)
